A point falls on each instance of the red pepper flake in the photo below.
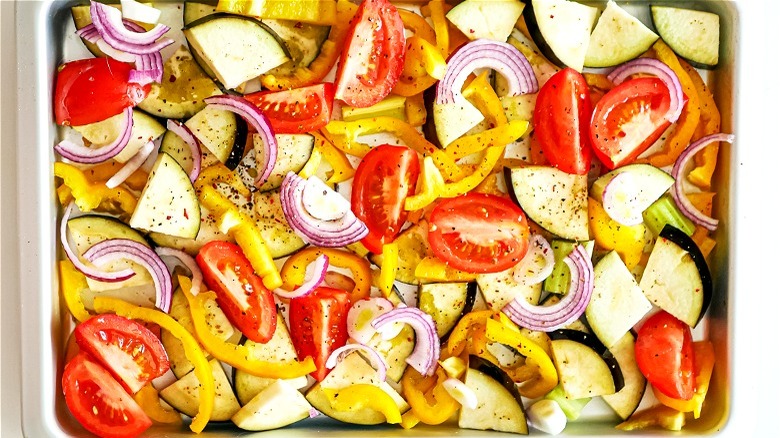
(186, 216)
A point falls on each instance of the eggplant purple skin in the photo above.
(682, 240)
(239, 145)
(536, 35)
(592, 342)
(471, 298)
(495, 373)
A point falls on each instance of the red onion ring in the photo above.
(481, 53)
(427, 350)
(329, 234)
(661, 71)
(315, 275)
(89, 271)
(108, 22)
(682, 201)
(259, 122)
(115, 249)
(188, 262)
(527, 271)
(184, 132)
(131, 165)
(148, 68)
(571, 306)
(375, 306)
(86, 155)
(374, 357)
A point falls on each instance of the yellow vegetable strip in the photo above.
(72, 282)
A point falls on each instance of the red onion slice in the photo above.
(86, 155)
(259, 122)
(482, 53)
(571, 306)
(362, 313)
(90, 271)
(131, 165)
(148, 68)
(678, 194)
(461, 393)
(115, 249)
(620, 199)
(330, 234)
(426, 351)
(108, 22)
(188, 262)
(661, 71)
(374, 357)
(537, 264)
(315, 275)
(184, 132)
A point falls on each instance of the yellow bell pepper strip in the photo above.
(104, 171)
(702, 201)
(149, 400)
(409, 420)
(655, 416)
(294, 269)
(460, 334)
(192, 350)
(440, 26)
(704, 353)
(342, 168)
(322, 12)
(414, 107)
(431, 406)
(91, 195)
(361, 396)
(389, 269)
(72, 282)
(431, 269)
(507, 335)
(236, 355)
(628, 241)
(431, 188)
(709, 123)
(311, 166)
(417, 25)
(686, 125)
(325, 61)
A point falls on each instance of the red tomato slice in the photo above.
(561, 121)
(478, 233)
(94, 89)
(240, 292)
(664, 354)
(318, 325)
(129, 350)
(99, 402)
(296, 111)
(373, 55)
(383, 180)
(628, 120)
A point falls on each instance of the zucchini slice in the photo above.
(585, 367)
(617, 38)
(294, 152)
(184, 395)
(221, 132)
(499, 405)
(694, 35)
(446, 303)
(561, 29)
(281, 239)
(625, 401)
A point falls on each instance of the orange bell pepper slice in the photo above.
(294, 270)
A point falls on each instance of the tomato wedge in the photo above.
(296, 111)
(240, 292)
(129, 350)
(628, 120)
(318, 325)
(373, 56)
(385, 177)
(94, 89)
(562, 120)
(99, 402)
(478, 233)
(664, 354)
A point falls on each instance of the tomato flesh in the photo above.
(478, 233)
(318, 325)
(241, 294)
(384, 179)
(628, 120)
(664, 354)
(99, 402)
(94, 89)
(373, 56)
(561, 121)
(129, 350)
(296, 111)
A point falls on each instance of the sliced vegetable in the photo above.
(298, 110)
(373, 356)
(426, 350)
(694, 35)
(315, 275)
(86, 155)
(537, 264)
(665, 355)
(108, 22)
(184, 132)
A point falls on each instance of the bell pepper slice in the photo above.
(417, 24)
(72, 282)
(322, 12)
(149, 400)
(104, 171)
(431, 188)
(709, 123)
(628, 241)
(459, 336)
(294, 270)
(389, 269)
(435, 9)
(192, 350)
(429, 400)
(409, 420)
(432, 269)
(90, 195)
(311, 166)
(361, 396)
(655, 416)
(236, 355)
(414, 108)
(704, 353)
(342, 168)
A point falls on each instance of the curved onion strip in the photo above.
(91, 34)
(619, 208)
(481, 53)
(89, 271)
(115, 249)
(188, 262)
(184, 132)
(259, 121)
(537, 264)
(571, 306)
(376, 359)
(148, 68)
(461, 393)
(86, 155)
(131, 165)
(108, 21)
(329, 234)
(661, 71)
(114, 53)
(426, 348)
(315, 275)
(679, 196)
(359, 327)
